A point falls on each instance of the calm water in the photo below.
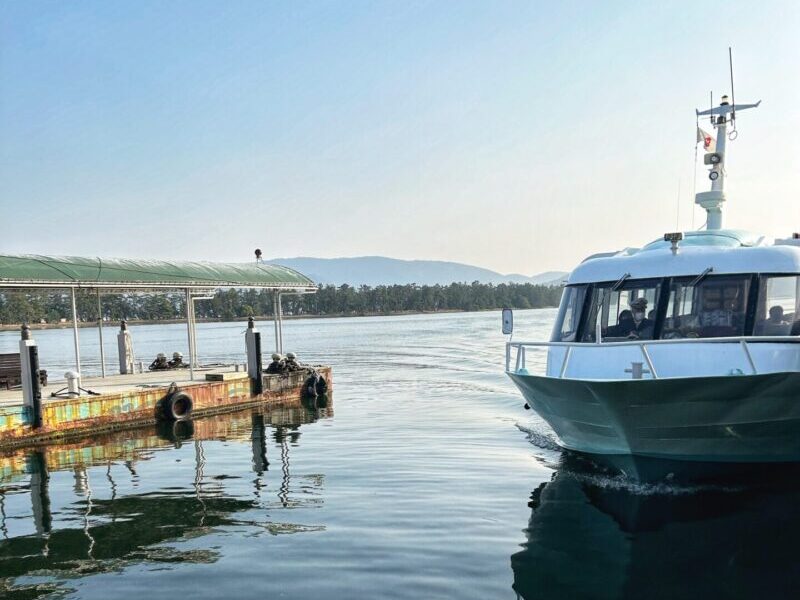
(422, 478)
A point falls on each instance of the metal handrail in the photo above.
(742, 341)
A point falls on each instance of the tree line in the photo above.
(53, 307)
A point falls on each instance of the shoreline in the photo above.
(268, 318)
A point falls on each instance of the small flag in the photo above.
(709, 143)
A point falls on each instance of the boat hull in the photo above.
(746, 418)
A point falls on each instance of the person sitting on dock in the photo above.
(291, 362)
(277, 365)
(160, 363)
(177, 361)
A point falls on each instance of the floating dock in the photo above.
(33, 413)
(125, 401)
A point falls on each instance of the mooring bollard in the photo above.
(125, 349)
(31, 387)
(252, 340)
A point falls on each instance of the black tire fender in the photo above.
(176, 406)
(310, 385)
(321, 385)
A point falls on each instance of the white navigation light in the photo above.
(714, 175)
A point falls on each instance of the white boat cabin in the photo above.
(711, 284)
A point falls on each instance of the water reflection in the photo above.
(84, 508)
(593, 534)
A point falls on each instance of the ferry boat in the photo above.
(687, 348)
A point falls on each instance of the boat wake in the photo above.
(544, 441)
(591, 473)
(621, 482)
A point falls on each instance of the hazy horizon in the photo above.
(498, 135)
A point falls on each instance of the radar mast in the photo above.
(721, 116)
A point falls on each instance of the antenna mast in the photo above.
(713, 199)
(733, 97)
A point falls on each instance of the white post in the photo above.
(75, 333)
(100, 330)
(125, 350)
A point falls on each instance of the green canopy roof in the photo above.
(33, 271)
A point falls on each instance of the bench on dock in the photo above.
(11, 371)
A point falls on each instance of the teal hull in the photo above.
(748, 418)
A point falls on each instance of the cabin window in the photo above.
(625, 310)
(777, 310)
(569, 314)
(704, 307)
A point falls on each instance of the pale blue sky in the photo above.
(520, 136)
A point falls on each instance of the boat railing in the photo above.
(517, 353)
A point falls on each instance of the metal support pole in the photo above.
(280, 325)
(189, 332)
(194, 337)
(275, 320)
(75, 332)
(100, 330)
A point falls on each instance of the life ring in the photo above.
(176, 406)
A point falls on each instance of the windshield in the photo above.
(569, 314)
(716, 306)
(627, 312)
(777, 311)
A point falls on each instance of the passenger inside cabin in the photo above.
(623, 327)
(642, 326)
(775, 324)
(721, 313)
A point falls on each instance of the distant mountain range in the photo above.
(379, 270)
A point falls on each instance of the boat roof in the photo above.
(726, 251)
(56, 272)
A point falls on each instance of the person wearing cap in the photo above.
(291, 362)
(277, 365)
(177, 361)
(160, 363)
(642, 326)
